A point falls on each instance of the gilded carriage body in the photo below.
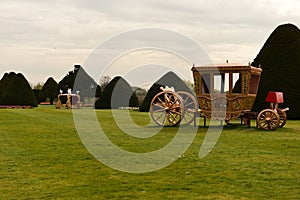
(225, 91)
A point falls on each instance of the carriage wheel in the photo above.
(190, 107)
(268, 119)
(282, 116)
(166, 108)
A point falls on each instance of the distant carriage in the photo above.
(69, 103)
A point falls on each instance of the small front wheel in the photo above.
(268, 119)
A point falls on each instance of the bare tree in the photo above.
(104, 80)
(140, 93)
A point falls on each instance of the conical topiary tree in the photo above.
(169, 79)
(5, 81)
(84, 83)
(49, 90)
(118, 93)
(280, 60)
(18, 92)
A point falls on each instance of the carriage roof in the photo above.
(223, 68)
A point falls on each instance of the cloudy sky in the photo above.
(46, 38)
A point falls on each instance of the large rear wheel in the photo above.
(166, 108)
(190, 107)
(282, 116)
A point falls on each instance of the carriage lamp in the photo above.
(274, 98)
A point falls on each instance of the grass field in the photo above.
(43, 157)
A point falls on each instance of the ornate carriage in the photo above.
(225, 91)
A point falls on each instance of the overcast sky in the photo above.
(46, 38)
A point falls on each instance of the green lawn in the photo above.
(42, 157)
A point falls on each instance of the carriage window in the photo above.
(205, 83)
(254, 81)
(217, 83)
(237, 83)
(226, 82)
(221, 83)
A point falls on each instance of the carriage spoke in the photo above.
(191, 103)
(160, 100)
(164, 120)
(175, 106)
(167, 99)
(176, 112)
(273, 124)
(170, 120)
(174, 118)
(273, 117)
(159, 105)
(160, 115)
(186, 99)
(265, 125)
(173, 102)
(189, 114)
